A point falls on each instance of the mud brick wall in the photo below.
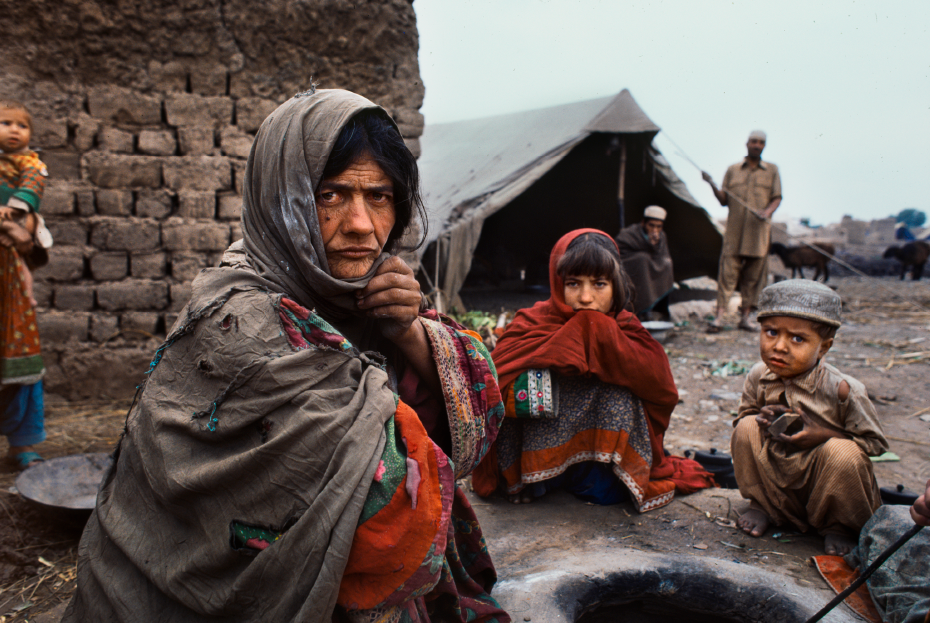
(145, 112)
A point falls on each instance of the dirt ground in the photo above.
(885, 343)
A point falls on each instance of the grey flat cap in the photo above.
(801, 298)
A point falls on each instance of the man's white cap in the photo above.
(655, 212)
(759, 134)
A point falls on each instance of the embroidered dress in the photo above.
(20, 358)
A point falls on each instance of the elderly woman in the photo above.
(294, 452)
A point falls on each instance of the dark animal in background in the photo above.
(796, 258)
(913, 255)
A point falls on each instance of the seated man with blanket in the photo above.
(644, 251)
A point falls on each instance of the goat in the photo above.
(913, 254)
(796, 258)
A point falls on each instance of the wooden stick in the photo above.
(914, 441)
(916, 413)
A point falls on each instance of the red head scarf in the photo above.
(614, 347)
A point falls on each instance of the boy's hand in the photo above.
(8, 214)
(811, 435)
(920, 511)
(767, 415)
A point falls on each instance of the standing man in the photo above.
(752, 191)
(646, 259)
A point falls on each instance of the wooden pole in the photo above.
(438, 286)
(621, 186)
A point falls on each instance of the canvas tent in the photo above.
(501, 190)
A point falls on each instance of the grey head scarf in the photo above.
(281, 233)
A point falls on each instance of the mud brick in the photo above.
(85, 202)
(180, 295)
(189, 109)
(168, 77)
(238, 175)
(153, 203)
(57, 200)
(235, 143)
(185, 265)
(50, 133)
(148, 265)
(112, 103)
(125, 234)
(235, 231)
(146, 322)
(109, 266)
(79, 298)
(85, 131)
(114, 202)
(409, 122)
(171, 319)
(230, 206)
(42, 291)
(198, 173)
(210, 80)
(196, 204)
(115, 140)
(57, 327)
(68, 231)
(132, 294)
(179, 235)
(157, 142)
(65, 263)
(115, 171)
(413, 144)
(103, 326)
(196, 141)
(62, 164)
(251, 112)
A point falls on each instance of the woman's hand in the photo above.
(393, 297)
(14, 235)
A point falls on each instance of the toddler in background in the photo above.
(819, 476)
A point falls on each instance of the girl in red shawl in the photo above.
(588, 392)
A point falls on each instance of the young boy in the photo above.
(22, 179)
(816, 474)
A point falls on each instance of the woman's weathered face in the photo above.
(356, 213)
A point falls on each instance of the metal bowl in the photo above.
(66, 486)
(658, 329)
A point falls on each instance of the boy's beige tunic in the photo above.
(830, 487)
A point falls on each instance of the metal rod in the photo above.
(867, 573)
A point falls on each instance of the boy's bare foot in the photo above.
(753, 522)
(837, 544)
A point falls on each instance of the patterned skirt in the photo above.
(585, 420)
(20, 358)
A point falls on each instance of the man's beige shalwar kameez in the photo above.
(744, 257)
(831, 487)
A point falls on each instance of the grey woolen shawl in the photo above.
(235, 425)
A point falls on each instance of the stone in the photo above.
(115, 140)
(114, 202)
(117, 171)
(238, 175)
(157, 142)
(413, 144)
(133, 294)
(235, 143)
(86, 206)
(179, 235)
(196, 141)
(65, 263)
(208, 80)
(68, 231)
(50, 133)
(62, 164)
(168, 77)
(57, 200)
(140, 321)
(409, 122)
(103, 326)
(42, 292)
(74, 297)
(198, 173)
(85, 131)
(125, 106)
(196, 204)
(125, 234)
(109, 266)
(252, 111)
(154, 203)
(148, 265)
(180, 295)
(189, 109)
(185, 265)
(230, 207)
(235, 231)
(58, 327)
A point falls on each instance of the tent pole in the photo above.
(622, 184)
(438, 301)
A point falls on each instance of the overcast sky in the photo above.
(841, 88)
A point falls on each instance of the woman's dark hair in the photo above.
(371, 133)
(595, 255)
